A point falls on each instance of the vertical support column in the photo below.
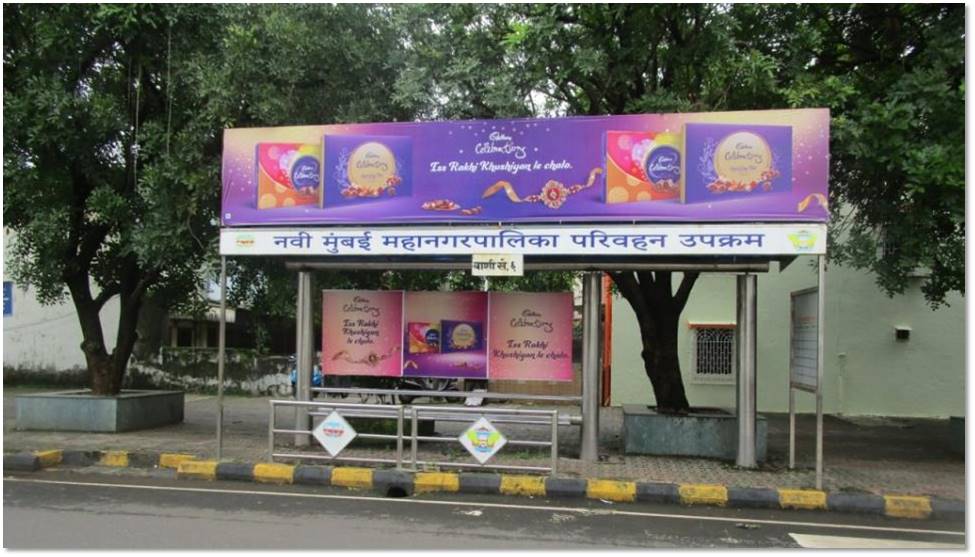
(590, 367)
(792, 427)
(221, 353)
(820, 350)
(606, 384)
(304, 350)
(747, 306)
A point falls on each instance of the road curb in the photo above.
(405, 483)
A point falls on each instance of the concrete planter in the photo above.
(710, 433)
(82, 411)
(956, 430)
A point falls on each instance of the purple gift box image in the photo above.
(363, 168)
(461, 336)
(731, 161)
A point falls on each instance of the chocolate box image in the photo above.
(461, 336)
(363, 168)
(288, 174)
(730, 161)
(642, 166)
(422, 338)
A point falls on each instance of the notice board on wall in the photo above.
(804, 340)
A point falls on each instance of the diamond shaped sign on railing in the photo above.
(482, 440)
(334, 433)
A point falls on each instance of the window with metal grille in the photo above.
(713, 353)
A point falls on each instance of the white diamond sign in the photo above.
(334, 433)
(482, 440)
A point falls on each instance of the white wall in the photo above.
(48, 337)
(867, 371)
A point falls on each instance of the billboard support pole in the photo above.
(304, 349)
(792, 427)
(590, 367)
(221, 353)
(747, 304)
(820, 349)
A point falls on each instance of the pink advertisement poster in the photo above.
(443, 334)
(531, 336)
(361, 332)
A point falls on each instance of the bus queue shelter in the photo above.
(729, 192)
(745, 250)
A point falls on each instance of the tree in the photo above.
(110, 161)
(893, 76)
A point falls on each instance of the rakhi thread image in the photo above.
(371, 359)
(553, 194)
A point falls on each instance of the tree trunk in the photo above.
(105, 370)
(660, 360)
(658, 312)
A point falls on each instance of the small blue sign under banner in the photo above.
(8, 298)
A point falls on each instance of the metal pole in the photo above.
(413, 434)
(270, 434)
(590, 367)
(747, 303)
(221, 353)
(792, 428)
(399, 438)
(303, 350)
(555, 441)
(820, 351)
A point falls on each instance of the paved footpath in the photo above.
(862, 455)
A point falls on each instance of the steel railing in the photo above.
(416, 414)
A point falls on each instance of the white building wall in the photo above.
(867, 371)
(37, 337)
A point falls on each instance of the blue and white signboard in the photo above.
(8, 298)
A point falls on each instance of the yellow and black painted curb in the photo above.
(404, 482)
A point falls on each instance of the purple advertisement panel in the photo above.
(444, 335)
(698, 167)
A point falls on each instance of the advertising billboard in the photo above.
(754, 166)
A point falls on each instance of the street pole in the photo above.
(221, 353)
(304, 349)
(747, 304)
(820, 351)
(590, 367)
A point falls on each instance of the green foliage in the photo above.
(892, 75)
(114, 118)
(110, 160)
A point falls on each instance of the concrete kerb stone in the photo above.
(864, 503)
(902, 506)
(565, 487)
(753, 498)
(235, 471)
(657, 492)
(946, 509)
(80, 458)
(144, 459)
(480, 482)
(308, 474)
(390, 482)
(21, 462)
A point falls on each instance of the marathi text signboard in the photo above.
(473, 335)
(582, 240)
(804, 340)
(756, 166)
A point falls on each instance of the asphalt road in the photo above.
(79, 510)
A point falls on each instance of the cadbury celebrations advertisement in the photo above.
(752, 166)
(474, 335)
